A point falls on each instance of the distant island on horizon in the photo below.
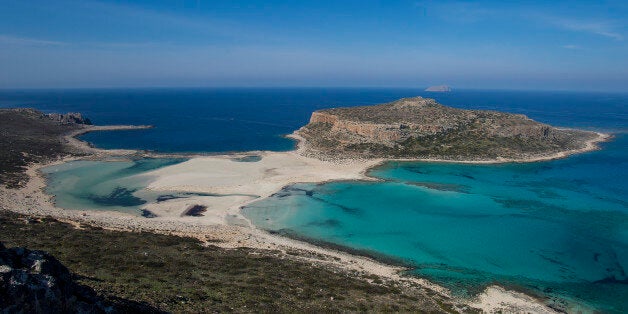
(314, 157)
(438, 88)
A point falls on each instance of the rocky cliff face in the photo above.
(420, 128)
(35, 282)
(375, 131)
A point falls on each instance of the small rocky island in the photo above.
(439, 88)
(421, 128)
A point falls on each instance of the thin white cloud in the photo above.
(572, 47)
(25, 41)
(602, 28)
(128, 45)
(471, 12)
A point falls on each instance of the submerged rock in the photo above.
(194, 211)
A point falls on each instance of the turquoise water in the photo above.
(559, 228)
(104, 185)
(555, 228)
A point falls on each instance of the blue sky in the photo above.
(575, 45)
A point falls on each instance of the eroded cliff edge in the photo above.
(421, 128)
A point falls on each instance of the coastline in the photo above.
(217, 225)
(72, 139)
(589, 145)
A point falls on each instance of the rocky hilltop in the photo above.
(421, 128)
(69, 118)
(35, 282)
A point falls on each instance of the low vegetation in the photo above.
(27, 135)
(150, 273)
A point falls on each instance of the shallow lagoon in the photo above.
(104, 185)
(557, 228)
(560, 224)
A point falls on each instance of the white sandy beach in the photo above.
(245, 182)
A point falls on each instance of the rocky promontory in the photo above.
(421, 128)
(29, 135)
(69, 118)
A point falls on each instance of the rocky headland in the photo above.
(30, 136)
(421, 128)
(69, 118)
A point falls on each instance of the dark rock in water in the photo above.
(613, 279)
(328, 223)
(281, 194)
(69, 118)
(167, 197)
(36, 282)
(442, 186)
(467, 176)
(148, 214)
(195, 211)
(250, 158)
(120, 196)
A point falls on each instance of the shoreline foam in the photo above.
(215, 226)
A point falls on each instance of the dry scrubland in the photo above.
(150, 272)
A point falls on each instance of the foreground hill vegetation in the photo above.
(154, 273)
(146, 272)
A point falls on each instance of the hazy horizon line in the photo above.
(419, 88)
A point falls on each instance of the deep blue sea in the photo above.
(218, 120)
(556, 228)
